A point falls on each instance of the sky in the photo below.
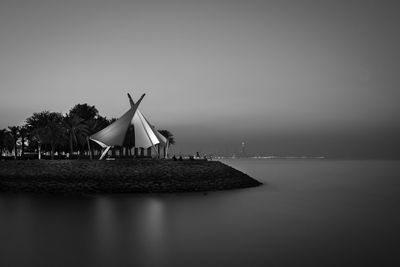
(316, 78)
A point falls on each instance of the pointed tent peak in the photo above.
(131, 100)
(114, 134)
(135, 105)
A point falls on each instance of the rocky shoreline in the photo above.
(119, 176)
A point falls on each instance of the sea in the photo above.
(308, 212)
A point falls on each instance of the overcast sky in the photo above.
(287, 77)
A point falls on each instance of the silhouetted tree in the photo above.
(88, 114)
(37, 135)
(3, 134)
(14, 133)
(74, 126)
(23, 133)
(36, 125)
(95, 125)
(46, 128)
(170, 140)
(54, 131)
(84, 111)
(170, 137)
(9, 142)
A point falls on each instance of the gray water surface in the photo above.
(308, 212)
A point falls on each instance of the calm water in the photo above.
(309, 212)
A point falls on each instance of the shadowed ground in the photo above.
(120, 176)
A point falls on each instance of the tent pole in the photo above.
(166, 150)
(105, 152)
(90, 151)
(155, 150)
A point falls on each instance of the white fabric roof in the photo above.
(114, 134)
(145, 134)
(161, 138)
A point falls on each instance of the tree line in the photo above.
(63, 135)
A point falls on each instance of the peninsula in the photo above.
(119, 176)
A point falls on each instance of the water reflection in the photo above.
(105, 220)
(152, 234)
(344, 212)
(117, 222)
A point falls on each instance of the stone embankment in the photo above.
(119, 176)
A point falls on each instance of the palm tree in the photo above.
(75, 126)
(94, 125)
(45, 128)
(36, 125)
(167, 134)
(23, 133)
(14, 133)
(9, 142)
(37, 135)
(3, 134)
(54, 131)
(89, 115)
(170, 140)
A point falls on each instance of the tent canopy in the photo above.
(145, 134)
(115, 134)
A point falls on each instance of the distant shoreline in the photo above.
(119, 176)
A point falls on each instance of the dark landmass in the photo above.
(119, 176)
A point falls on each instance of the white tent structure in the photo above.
(154, 137)
(144, 134)
(114, 135)
(161, 140)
